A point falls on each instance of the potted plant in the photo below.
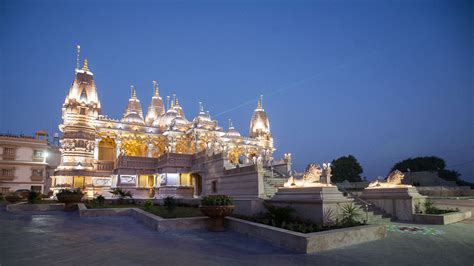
(12, 197)
(217, 207)
(70, 197)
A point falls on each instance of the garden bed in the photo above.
(161, 211)
(149, 219)
(43, 206)
(311, 242)
(443, 219)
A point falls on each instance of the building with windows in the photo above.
(162, 152)
(26, 162)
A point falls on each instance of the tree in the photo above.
(428, 163)
(346, 168)
(418, 164)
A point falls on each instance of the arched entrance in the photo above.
(196, 180)
(107, 149)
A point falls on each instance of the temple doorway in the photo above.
(196, 180)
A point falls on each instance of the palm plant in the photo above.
(121, 194)
(350, 213)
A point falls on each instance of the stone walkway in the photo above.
(64, 238)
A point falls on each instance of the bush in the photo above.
(350, 213)
(170, 203)
(66, 191)
(2, 198)
(217, 200)
(34, 197)
(277, 216)
(99, 200)
(148, 206)
(431, 209)
(121, 194)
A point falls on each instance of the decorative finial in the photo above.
(174, 97)
(78, 47)
(133, 93)
(177, 102)
(260, 102)
(208, 114)
(201, 108)
(168, 102)
(155, 86)
(231, 126)
(86, 65)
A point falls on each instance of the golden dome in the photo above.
(133, 113)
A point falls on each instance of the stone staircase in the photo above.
(374, 214)
(271, 181)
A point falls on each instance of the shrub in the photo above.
(66, 191)
(148, 205)
(34, 197)
(121, 194)
(431, 209)
(350, 213)
(99, 200)
(278, 215)
(2, 198)
(217, 200)
(170, 203)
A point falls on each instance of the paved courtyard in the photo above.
(64, 238)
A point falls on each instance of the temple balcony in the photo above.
(102, 165)
(36, 178)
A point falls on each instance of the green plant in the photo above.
(217, 200)
(170, 203)
(99, 200)
(278, 215)
(2, 198)
(34, 197)
(121, 194)
(431, 209)
(66, 191)
(350, 213)
(148, 205)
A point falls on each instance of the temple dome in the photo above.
(165, 120)
(83, 89)
(156, 108)
(259, 125)
(133, 113)
(232, 132)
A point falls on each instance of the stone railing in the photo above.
(104, 165)
(175, 160)
(136, 162)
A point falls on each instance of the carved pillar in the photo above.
(118, 142)
(150, 149)
(96, 149)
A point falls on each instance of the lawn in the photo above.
(179, 212)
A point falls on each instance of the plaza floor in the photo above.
(64, 238)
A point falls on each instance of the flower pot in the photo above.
(70, 200)
(217, 215)
(12, 198)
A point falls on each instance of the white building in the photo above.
(27, 162)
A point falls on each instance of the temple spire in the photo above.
(201, 108)
(78, 58)
(133, 92)
(155, 86)
(259, 106)
(86, 65)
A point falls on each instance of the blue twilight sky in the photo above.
(382, 80)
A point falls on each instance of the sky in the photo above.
(381, 80)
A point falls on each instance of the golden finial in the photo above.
(78, 47)
(155, 86)
(260, 102)
(172, 103)
(177, 102)
(86, 65)
(230, 124)
(168, 102)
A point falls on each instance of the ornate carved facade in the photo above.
(92, 142)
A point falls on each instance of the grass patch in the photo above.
(178, 212)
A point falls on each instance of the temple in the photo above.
(162, 152)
